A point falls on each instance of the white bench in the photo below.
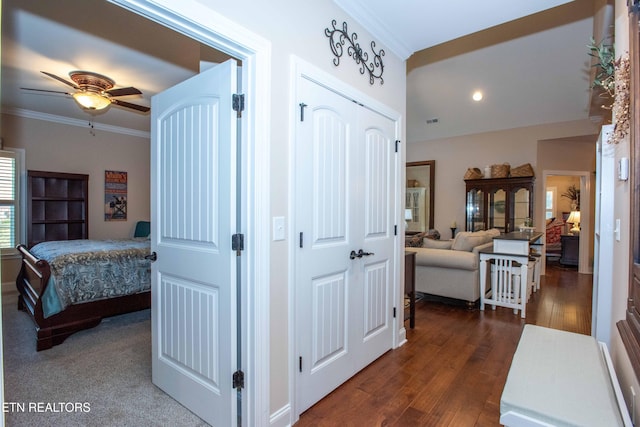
(560, 378)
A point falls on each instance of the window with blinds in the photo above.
(8, 200)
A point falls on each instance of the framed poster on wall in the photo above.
(115, 196)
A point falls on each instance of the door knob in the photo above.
(362, 253)
(359, 254)
(152, 256)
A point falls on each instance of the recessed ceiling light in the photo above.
(477, 96)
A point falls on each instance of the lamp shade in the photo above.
(574, 217)
(408, 214)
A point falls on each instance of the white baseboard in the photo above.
(9, 288)
(281, 418)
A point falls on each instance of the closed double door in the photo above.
(345, 257)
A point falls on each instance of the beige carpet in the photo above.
(106, 370)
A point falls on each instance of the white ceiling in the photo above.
(533, 71)
(530, 59)
(43, 36)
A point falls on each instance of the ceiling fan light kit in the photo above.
(95, 91)
(91, 100)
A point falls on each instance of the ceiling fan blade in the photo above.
(60, 79)
(123, 91)
(45, 90)
(141, 108)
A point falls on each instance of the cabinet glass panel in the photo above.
(475, 210)
(520, 208)
(416, 203)
(497, 210)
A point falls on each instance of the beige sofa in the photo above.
(451, 268)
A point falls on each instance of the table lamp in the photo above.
(574, 218)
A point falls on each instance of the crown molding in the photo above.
(29, 114)
(375, 27)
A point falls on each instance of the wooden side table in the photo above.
(410, 285)
(570, 249)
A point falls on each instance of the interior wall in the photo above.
(622, 207)
(63, 148)
(514, 146)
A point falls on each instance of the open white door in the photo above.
(193, 214)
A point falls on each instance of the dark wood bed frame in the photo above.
(32, 282)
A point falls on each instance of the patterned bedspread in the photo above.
(89, 270)
(554, 231)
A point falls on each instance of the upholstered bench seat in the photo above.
(560, 378)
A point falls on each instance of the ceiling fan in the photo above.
(94, 91)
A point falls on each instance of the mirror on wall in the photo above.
(419, 197)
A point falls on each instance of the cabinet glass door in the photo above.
(416, 203)
(475, 210)
(520, 207)
(497, 210)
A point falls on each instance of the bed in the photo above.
(70, 285)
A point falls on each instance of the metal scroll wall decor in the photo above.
(339, 37)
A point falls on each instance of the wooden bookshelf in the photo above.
(57, 206)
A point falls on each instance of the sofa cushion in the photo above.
(436, 244)
(444, 258)
(467, 240)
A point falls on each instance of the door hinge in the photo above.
(395, 230)
(237, 243)
(394, 312)
(238, 379)
(397, 144)
(302, 106)
(238, 104)
(300, 364)
(301, 239)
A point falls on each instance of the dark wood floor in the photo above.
(453, 369)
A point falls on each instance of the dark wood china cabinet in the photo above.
(502, 203)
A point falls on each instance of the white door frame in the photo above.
(203, 24)
(585, 214)
(302, 69)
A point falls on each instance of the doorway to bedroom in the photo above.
(252, 51)
(568, 211)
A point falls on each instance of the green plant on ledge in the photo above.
(606, 66)
(614, 78)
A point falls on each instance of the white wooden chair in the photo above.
(507, 287)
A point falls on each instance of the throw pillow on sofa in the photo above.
(436, 244)
(415, 241)
(467, 240)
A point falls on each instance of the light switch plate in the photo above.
(278, 228)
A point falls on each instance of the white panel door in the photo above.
(345, 195)
(193, 193)
(376, 232)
